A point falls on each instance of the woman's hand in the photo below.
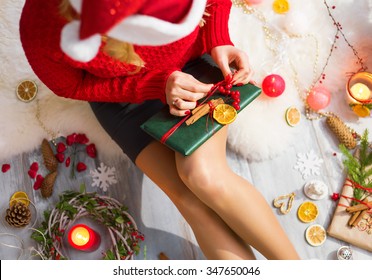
(224, 56)
(183, 91)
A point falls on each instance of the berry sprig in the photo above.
(225, 88)
(67, 151)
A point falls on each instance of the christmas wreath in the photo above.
(109, 212)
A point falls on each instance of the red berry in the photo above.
(34, 166)
(228, 86)
(61, 147)
(5, 167)
(68, 161)
(237, 107)
(228, 78)
(237, 99)
(60, 157)
(38, 182)
(81, 167)
(32, 173)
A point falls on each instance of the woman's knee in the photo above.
(204, 179)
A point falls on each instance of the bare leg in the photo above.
(214, 237)
(236, 201)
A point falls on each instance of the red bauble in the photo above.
(318, 98)
(273, 85)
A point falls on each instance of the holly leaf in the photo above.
(119, 220)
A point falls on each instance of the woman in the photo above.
(128, 59)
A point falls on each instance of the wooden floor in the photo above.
(163, 227)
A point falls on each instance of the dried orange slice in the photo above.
(292, 116)
(315, 235)
(26, 90)
(224, 113)
(361, 110)
(281, 6)
(19, 196)
(307, 212)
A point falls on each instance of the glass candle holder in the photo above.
(359, 93)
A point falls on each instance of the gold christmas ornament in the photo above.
(342, 132)
(48, 184)
(50, 160)
(18, 215)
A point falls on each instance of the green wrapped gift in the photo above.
(186, 139)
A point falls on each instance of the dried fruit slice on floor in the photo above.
(292, 116)
(19, 197)
(26, 90)
(307, 212)
(315, 235)
(224, 113)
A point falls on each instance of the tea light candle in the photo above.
(359, 88)
(82, 237)
(360, 91)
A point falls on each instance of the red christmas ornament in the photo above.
(273, 85)
(318, 98)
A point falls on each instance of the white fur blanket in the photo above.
(252, 134)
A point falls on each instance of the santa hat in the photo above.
(132, 21)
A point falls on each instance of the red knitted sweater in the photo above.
(104, 79)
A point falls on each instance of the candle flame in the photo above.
(80, 236)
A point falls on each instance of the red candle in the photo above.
(83, 238)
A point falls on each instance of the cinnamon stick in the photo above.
(360, 216)
(353, 218)
(355, 208)
(202, 110)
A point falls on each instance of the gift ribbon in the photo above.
(353, 184)
(166, 135)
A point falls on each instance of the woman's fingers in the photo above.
(243, 76)
(183, 92)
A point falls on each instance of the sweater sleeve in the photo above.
(40, 42)
(75, 83)
(215, 31)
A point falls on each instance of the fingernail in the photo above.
(239, 84)
(188, 112)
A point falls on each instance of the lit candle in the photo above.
(360, 91)
(83, 238)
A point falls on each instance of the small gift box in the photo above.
(353, 226)
(186, 139)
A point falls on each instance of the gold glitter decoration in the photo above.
(284, 207)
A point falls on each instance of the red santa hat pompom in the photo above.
(139, 22)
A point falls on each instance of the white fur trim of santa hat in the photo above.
(136, 29)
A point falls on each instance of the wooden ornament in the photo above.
(50, 160)
(48, 184)
(284, 206)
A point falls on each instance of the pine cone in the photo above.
(50, 160)
(18, 215)
(48, 184)
(342, 132)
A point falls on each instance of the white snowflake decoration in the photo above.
(103, 177)
(308, 164)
